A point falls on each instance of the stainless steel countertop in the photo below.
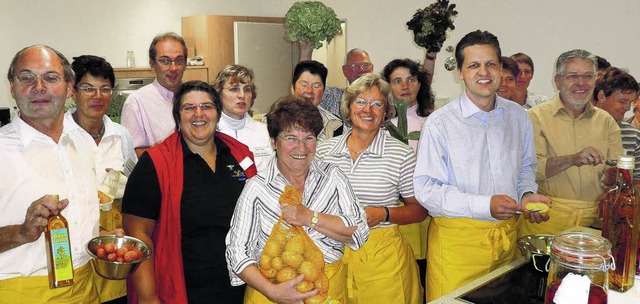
(630, 296)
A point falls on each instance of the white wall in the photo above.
(541, 28)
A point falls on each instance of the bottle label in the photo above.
(61, 252)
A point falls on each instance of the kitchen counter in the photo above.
(630, 296)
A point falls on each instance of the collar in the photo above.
(558, 108)
(28, 134)
(186, 152)
(232, 123)
(164, 92)
(274, 178)
(376, 148)
(469, 108)
(109, 126)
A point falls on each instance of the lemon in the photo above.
(537, 206)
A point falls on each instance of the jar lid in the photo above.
(581, 250)
(626, 162)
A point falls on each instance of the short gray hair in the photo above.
(354, 51)
(573, 54)
(69, 75)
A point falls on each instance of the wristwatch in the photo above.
(314, 220)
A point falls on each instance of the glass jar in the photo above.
(620, 219)
(578, 272)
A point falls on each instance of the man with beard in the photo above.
(147, 112)
(573, 139)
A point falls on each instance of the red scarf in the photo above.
(168, 160)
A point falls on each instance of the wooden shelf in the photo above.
(192, 73)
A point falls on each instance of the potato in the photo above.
(130, 256)
(272, 249)
(292, 259)
(537, 206)
(109, 248)
(286, 274)
(265, 262)
(269, 273)
(276, 263)
(305, 286)
(310, 271)
(295, 245)
(322, 283)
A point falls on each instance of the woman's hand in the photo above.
(375, 215)
(286, 292)
(296, 215)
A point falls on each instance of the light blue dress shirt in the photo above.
(466, 155)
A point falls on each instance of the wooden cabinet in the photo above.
(255, 42)
(192, 73)
(213, 38)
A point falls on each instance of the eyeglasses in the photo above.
(409, 80)
(166, 62)
(91, 91)
(573, 77)
(361, 103)
(361, 66)
(28, 78)
(292, 140)
(236, 89)
(191, 108)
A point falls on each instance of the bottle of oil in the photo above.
(58, 251)
(620, 219)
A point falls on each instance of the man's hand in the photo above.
(535, 217)
(38, 214)
(503, 207)
(588, 156)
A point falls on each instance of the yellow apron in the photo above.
(111, 289)
(36, 289)
(461, 250)
(384, 270)
(416, 236)
(563, 214)
(336, 272)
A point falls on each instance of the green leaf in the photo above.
(415, 135)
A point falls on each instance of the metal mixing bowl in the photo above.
(536, 250)
(117, 270)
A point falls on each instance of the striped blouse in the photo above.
(380, 175)
(326, 190)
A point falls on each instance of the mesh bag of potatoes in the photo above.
(290, 252)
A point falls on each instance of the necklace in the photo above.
(94, 136)
(356, 152)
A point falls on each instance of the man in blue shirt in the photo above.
(475, 171)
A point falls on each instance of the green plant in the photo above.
(400, 132)
(430, 25)
(311, 21)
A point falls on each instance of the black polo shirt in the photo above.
(207, 204)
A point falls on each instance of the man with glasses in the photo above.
(147, 112)
(573, 139)
(357, 62)
(46, 169)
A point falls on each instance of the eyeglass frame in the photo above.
(293, 140)
(360, 65)
(167, 62)
(91, 90)
(192, 107)
(361, 103)
(573, 77)
(58, 77)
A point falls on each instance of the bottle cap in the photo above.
(626, 162)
